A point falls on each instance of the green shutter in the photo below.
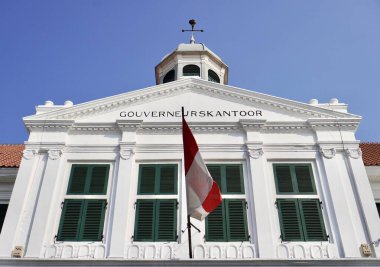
(147, 179)
(92, 220)
(99, 179)
(168, 179)
(69, 225)
(304, 179)
(233, 177)
(144, 222)
(216, 174)
(78, 177)
(88, 179)
(166, 220)
(291, 228)
(216, 224)
(312, 219)
(283, 178)
(236, 220)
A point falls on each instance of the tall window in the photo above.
(169, 77)
(191, 70)
(298, 205)
(85, 203)
(228, 222)
(3, 211)
(213, 77)
(156, 205)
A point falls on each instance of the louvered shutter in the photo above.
(144, 222)
(312, 219)
(291, 228)
(92, 220)
(166, 220)
(304, 179)
(99, 179)
(216, 228)
(283, 179)
(216, 174)
(69, 225)
(147, 179)
(234, 181)
(236, 220)
(168, 179)
(78, 178)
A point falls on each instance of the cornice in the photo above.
(334, 123)
(48, 124)
(229, 93)
(94, 127)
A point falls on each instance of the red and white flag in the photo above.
(203, 194)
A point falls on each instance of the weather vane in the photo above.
(192, 22)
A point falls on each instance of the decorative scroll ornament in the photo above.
(255, 153)
(354, 153)
(54, 154)
(328, 153)
(126, 153)
(29, 153)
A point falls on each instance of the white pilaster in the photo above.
(365, 198)
(263, 204)
(41, 224)
(20, 196)
(122, 210)
(338, 187)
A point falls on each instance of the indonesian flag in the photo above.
(203, 194)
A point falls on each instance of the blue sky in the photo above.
(82, 50)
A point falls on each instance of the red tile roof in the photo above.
(371, 153)
(10, 155)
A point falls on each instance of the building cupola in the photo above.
(192, 60)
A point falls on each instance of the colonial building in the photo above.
(102, 182)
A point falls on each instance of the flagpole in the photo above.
(188, 216)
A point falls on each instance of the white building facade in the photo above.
(103, 181)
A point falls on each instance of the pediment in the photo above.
(203, 101)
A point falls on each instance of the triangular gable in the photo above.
(219, 95)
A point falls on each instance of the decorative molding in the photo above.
(255, 153)
(126, 153)
(354, 153)
(29, 153)
(54, 154)
(129, 125)
(53, 124)
(328, 153)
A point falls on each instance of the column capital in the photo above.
(255, 153)
(354, 153)
(54, 153)
(29, 153)
(126, 150)
(327, 153)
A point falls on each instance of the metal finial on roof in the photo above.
(192, 22)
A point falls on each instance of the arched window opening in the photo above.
(213, 77)
(169, 77)
(191, 70)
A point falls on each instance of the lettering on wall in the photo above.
(191, 113)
